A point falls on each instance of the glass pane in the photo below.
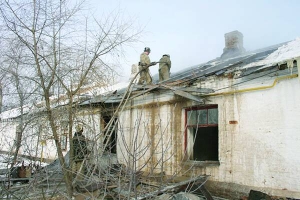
(202, 116)
(191, 117)
(213, 116)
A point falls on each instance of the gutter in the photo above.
(255, 88)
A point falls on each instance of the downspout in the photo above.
(255, 88)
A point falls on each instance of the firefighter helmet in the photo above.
(147, 49)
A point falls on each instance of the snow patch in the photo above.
(284, 53)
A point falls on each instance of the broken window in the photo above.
(110, 135)
(201, 139)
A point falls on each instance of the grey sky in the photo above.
(192, 31)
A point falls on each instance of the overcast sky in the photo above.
(192, 31)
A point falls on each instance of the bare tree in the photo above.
(22, 89)
(1, 92)
(63, 48)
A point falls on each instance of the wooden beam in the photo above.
(172, 187)
(184, 94)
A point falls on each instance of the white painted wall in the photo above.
(261, 150)
(7, 135)
(37, 137)
(145, 134)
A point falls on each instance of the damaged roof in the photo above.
(246, 63)
(268, 58)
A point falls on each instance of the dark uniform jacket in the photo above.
(79, 146)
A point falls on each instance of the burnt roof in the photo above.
(216, 66)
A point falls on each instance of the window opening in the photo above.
(111, 135)
(202, 133)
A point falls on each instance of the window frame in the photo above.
(196, 108)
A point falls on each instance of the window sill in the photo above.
(201, 163)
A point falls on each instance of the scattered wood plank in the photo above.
(90, 188)
(151, 183)
(205, 192)
(168, 188)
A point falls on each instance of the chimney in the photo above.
(233, 44)
(134, 71)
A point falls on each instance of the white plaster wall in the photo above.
(32, 146)
(262, 150)
(271, 132)
(163, 139)
(7, 135)
(37, 141)
(125, 134)
(90, 119)
(147, 134)
(134, 138)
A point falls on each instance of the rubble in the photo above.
(108, 180)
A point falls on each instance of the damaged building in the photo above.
(233, 119)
